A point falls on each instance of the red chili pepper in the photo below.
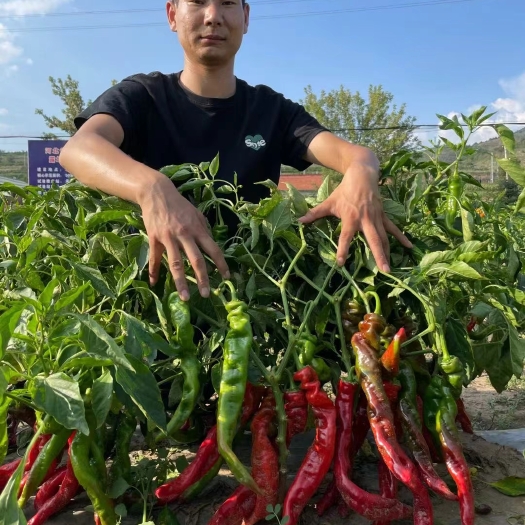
(236, 508)
(330, 498)
(370, 506)
(361, 426)
(383, 427)
(472, 324)
(296, 409)
(265, 460)
(6, 471)
(387, 486)
(68, 490)
(463, 418)
(208, 452)
(390, 359)
(49, 488)
(319, 456)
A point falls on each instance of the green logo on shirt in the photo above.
(255, 143)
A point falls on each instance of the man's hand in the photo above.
(175, 225)
(357, 202)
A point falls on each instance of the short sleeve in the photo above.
(300, 129)
(129, 103)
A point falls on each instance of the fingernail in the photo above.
(386, 268)
(205, 292)
(227, 275)
(185, 295)
(340, 261)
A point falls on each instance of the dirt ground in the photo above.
(491, 462)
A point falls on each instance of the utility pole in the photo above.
(506, 174)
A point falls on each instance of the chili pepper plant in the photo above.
(91, 354)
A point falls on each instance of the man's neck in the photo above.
(209, 82)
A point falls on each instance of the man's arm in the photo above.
(356, 201)
(93, 157)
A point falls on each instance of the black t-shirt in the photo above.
(254, 131)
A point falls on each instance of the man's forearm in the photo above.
(99, 164)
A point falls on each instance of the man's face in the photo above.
(210, 31)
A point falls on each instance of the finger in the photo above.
(391, 228)
(176, 265)
(320, 211)
(375, 243)
(345, 239)
(156, 250)
(198, 263)
(207, 243)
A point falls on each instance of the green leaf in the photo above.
(467, 221)
(102, 217)
(35, 248)
(517, 351)
(114, 245)
(507, 137)
(300, 206)
(326, 189)
(140, 342)
(8, 323)
(250, 287)
(142, 387)
(459, 345)
(322, 319)
(266, 206)
(513, 264)
(285, 520)
(4, 407)
(138, 250)
(93, 275)
(520, 203)
(395, 211)
(102, 392)
(46, 296)
(279, 219)
(177, 172)
(415, 193)
(106, 346)
(119, 487)
(457, 268)
(214, 166)
(193, 184)
(291, 238)
(510, 486)
(127, 277)
(514, 169)
(59, 396)
(70, 297)
(254, 226)
(121, 510)
(10, 512)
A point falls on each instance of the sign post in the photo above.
(43, 166)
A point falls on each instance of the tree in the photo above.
(351, 117)
(68, 92)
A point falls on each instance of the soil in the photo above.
(490, 462)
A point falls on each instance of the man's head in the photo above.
(210, 31)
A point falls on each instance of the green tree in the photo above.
(69, 93)
(351, 117)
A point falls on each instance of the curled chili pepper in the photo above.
(236, 508)
(383, 427)
(233, 385)
(371, 506)
(319, 456)
(372, 326)
(412, 426)
(463, 418)
(189, 363)
(454, 372)
(265, 459)
(49, 488)
(296, 410)
(6, 471)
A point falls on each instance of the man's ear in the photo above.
(246, 17)
(171, 11)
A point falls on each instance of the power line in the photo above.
(416, 127)
(385, 7)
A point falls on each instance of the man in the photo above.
(149, 121)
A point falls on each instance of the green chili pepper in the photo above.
(88, 477)
(455, 188)
(431, 402)
(121, 467)
(233, 385)
(42, 465)
(455, 374)
(189, 363)
(194, 490)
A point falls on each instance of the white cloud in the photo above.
(29, 61)
(8, 50)
(510, 108)
(11, 70)
(3, 112)
(30, 7)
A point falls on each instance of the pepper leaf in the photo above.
(93, 275)
(142, 387)
(102, 392)
(510, 486)
(8, 323)
(59, 396)
(459, 345)
(10, 512)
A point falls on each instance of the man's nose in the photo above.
(213, 14)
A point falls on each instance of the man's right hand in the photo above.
(175, 225)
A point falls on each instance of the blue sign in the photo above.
(43, 166)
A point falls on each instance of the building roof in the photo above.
(17, 182)
(302, 182)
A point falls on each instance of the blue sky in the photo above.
(435, 58)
